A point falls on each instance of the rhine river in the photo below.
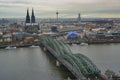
(34, 64)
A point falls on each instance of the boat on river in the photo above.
(83, 44)
(33, 46)
(10, 47)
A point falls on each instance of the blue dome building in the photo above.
(72, 35)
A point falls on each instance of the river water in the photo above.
(34, 64)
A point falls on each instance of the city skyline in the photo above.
(66, 8)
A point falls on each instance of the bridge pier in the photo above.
(58, 64)
(44, 49)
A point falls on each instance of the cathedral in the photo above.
(30, 24)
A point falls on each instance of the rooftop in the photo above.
(33, 24)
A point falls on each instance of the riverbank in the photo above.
(91, 41)
(19, 46)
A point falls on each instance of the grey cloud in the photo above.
(66, 7)
(15, 2)
(93, 6)
(9, 6)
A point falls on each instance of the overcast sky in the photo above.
(66, 8)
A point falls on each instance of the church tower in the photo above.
(32, 17)
(27, 17)
(31, 26)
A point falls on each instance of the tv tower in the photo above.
(57, 13)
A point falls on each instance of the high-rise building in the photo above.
(79, 17)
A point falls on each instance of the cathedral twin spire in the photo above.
(28, 17)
